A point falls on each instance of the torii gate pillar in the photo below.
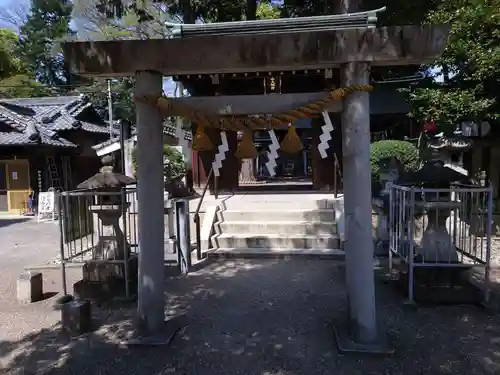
(151, 299)
(362, 334)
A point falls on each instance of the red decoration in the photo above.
(430, 127)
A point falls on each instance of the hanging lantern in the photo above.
(292, 143)
(246, 149)
(201, 142)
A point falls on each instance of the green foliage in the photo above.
(15, 78)
(174, 167)
(397, 13)
(121, 92)
(470, 64)
(23, 86)
(267, 11)
(10, 64)
(406, 152)
(47, 23)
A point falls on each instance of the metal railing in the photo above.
(440, 228)
(98, 228)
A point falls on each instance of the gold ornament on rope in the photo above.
(291, 144)
(201, 141)
(246, 149)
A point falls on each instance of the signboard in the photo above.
(46, 205)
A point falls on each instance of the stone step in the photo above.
(291, 241)
(276, 253)
(268, 215)
(308, 204)
(282, 228)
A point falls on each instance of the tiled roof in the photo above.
(14, 139)
(48, 115)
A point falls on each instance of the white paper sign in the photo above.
(14, 175)
(46, 202)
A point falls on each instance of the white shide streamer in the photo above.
(325, 135)
(221, 154)
(272, 155)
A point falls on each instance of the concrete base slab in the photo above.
(345, 344)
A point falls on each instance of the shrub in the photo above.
(405, 152)
(174, 167)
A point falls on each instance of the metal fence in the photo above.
(440, 228)
(98, 228)
(101, 229)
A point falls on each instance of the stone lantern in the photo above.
(436, 243)
(103, 274)
(112, 242)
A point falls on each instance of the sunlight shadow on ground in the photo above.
(268, 317)
(5, 222)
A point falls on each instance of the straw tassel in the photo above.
(246, 149)
(291, 144)
(201, 141)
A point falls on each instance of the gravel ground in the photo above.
(244, 317)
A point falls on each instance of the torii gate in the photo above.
(350, 50)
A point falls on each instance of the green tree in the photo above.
(266, 10)
(174, 168)
(23, 86)
(470, 66)
(10, 64)
(15, 79)
(48, 22)
(121, 93)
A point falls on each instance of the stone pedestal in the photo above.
(30, 287)
(106, 281)
(76, 317)
(437, 245)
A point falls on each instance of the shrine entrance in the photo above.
(348, 43)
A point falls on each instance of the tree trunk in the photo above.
(188, 15)
(251, 10)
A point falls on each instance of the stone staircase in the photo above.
(277, 228)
